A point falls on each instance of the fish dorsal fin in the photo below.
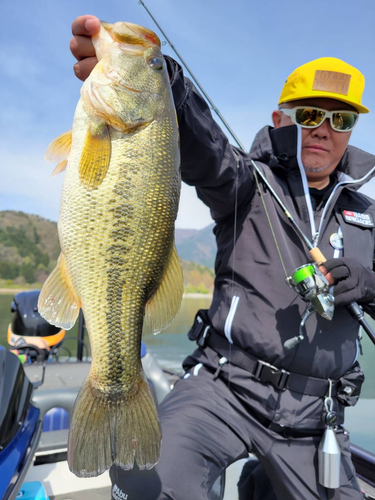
(58, 302)
(59, 148)
(60, 167)
(164, 304)
(95, 156)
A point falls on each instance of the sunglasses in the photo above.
(341, 121)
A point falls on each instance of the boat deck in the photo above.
(60, 387)
(61, 484)
(58, 375)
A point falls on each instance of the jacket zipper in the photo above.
(351, 181)
(314, 232)
(305, 183)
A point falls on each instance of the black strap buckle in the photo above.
(203, 337)
(199, 331)
(265, 372)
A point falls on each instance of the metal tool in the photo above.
(329, 453)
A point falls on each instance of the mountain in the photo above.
(183, 234)
(197, 245)
(29, 247)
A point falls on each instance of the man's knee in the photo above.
(152, 485)
(134, 484)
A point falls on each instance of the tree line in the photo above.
(27, 257)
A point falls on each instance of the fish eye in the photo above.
(156, 63)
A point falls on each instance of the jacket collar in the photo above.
(278, 149)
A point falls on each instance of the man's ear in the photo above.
(276, 118)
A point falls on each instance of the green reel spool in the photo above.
(302, 273)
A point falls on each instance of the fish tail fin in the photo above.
(107, 430)
(89, 443)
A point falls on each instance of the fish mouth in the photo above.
(131, 37)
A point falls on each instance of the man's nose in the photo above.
(324, 131)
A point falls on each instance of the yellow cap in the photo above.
(326, 77)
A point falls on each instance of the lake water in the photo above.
(172, 345)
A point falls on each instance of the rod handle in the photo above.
(317, 255)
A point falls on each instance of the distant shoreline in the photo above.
(197, 296)
(10, 291)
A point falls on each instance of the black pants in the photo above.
(205, 429)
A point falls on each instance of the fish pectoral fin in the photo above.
(58, 302)
(59, 148)
(60, 167)
(164, 304)
(96, 155)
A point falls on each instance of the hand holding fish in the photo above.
(81, 46)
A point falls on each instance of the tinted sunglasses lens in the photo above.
(308, 117)
(344, 121)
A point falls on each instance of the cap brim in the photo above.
(361, 109)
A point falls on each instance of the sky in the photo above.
(241, 51)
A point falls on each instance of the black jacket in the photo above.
(252, 304)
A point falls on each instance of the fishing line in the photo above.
(231, 132)
(270, 223)
(211, 103)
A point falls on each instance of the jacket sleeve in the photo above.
(219, 171)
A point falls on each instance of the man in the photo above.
(231, 401)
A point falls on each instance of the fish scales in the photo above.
(138, 203)
(118, 259)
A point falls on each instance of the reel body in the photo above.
(312, 286)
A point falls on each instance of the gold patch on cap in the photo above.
(332, 81)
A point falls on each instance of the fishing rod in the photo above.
(213, 107)
(354, 309)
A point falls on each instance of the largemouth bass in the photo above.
(118, 260)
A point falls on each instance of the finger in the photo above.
(85, 25)
(327, 275)
(81, 47)
(340, 273)
(323, 269)
(330, 279)
(83, 68)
